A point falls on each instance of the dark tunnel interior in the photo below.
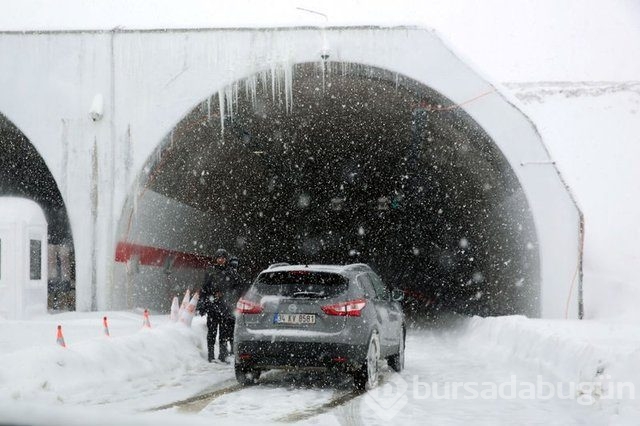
(356, 164)
(23, 173)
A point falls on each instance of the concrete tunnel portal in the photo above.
(350, 163)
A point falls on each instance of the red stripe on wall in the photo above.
(154, 256)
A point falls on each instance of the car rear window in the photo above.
(309, 284)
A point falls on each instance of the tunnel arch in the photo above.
(464, 237)
(24, 173)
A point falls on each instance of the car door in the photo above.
(389, 316)
(364, 280)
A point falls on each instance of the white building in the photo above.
(23, 250)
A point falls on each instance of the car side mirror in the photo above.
(397, 295)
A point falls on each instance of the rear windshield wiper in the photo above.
(308, 293)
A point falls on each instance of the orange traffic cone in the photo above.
(60, 338)
(145, 321)
(175, 309)
(105, 326)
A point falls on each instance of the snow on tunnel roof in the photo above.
(511, 41)
(13, 209)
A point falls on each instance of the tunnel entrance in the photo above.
(343, 163)
(24, 173)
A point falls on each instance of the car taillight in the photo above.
(245, 306)
(352, 308)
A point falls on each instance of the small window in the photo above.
(36, 260)
(379, 287)
(365, 284)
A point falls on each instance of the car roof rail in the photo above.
(358, 267)
(275, 265)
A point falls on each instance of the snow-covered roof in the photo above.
(310, 267)
(510, 41)
(13, 209)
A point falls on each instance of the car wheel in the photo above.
(366, 377)
(397, 361)
(247, 377)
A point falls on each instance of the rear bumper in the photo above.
(298, 355)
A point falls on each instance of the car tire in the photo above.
(397, 361)
(247, 377)
(366, 377)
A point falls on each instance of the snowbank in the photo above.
(94, 368)
(93, 363)
(572, 351)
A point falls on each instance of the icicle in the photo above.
(288, 87)
(134, 207)
(208, 109)
(278, 83)
(229, 97)
(254, 91)
(264, 75)
(222, 112)
(235, 93)
(273, 84)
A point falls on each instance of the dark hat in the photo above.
(221, 253)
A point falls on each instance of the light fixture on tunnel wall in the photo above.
(325, 53)
(97, 107)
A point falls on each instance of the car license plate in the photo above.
(294, 318)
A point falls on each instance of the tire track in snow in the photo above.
(334, 402)
(198, 402)
(347, 407)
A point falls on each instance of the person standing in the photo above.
(218, 298)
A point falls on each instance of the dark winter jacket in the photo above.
(220, 291)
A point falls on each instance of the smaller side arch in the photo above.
(24, 173)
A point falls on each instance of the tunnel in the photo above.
(23, 173)
(340, 163)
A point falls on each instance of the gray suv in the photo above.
(319, 317)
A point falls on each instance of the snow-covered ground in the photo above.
(137, 374)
